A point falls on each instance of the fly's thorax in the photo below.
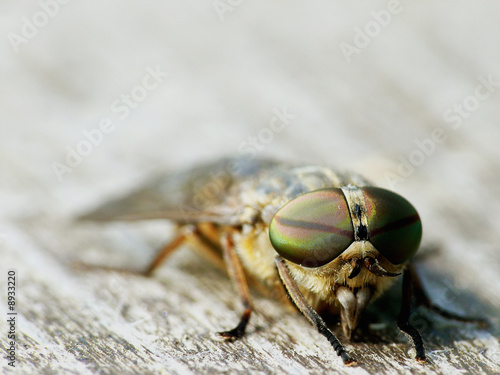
(279, 186)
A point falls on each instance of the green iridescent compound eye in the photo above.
(312, 229)
(394, 227)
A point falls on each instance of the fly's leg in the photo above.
(235, 270)
(306, 310)
(404, 317)
(159, 259)
(165, 252)
(205, 239)
(423, 299)
(189, 233)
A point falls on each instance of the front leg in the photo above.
(306, 310)
(404, 316)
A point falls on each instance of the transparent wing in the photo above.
(206, 193)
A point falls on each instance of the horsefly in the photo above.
(324, 238)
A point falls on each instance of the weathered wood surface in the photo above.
(227, 78)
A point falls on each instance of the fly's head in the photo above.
(346, 244)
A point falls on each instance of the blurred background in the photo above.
(363, 82)
(97, 97)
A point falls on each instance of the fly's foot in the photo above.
(421, 360)
(231, 335)
(239, 330)
(350, 362)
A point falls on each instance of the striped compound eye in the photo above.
(313, 229)
(394, 227)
